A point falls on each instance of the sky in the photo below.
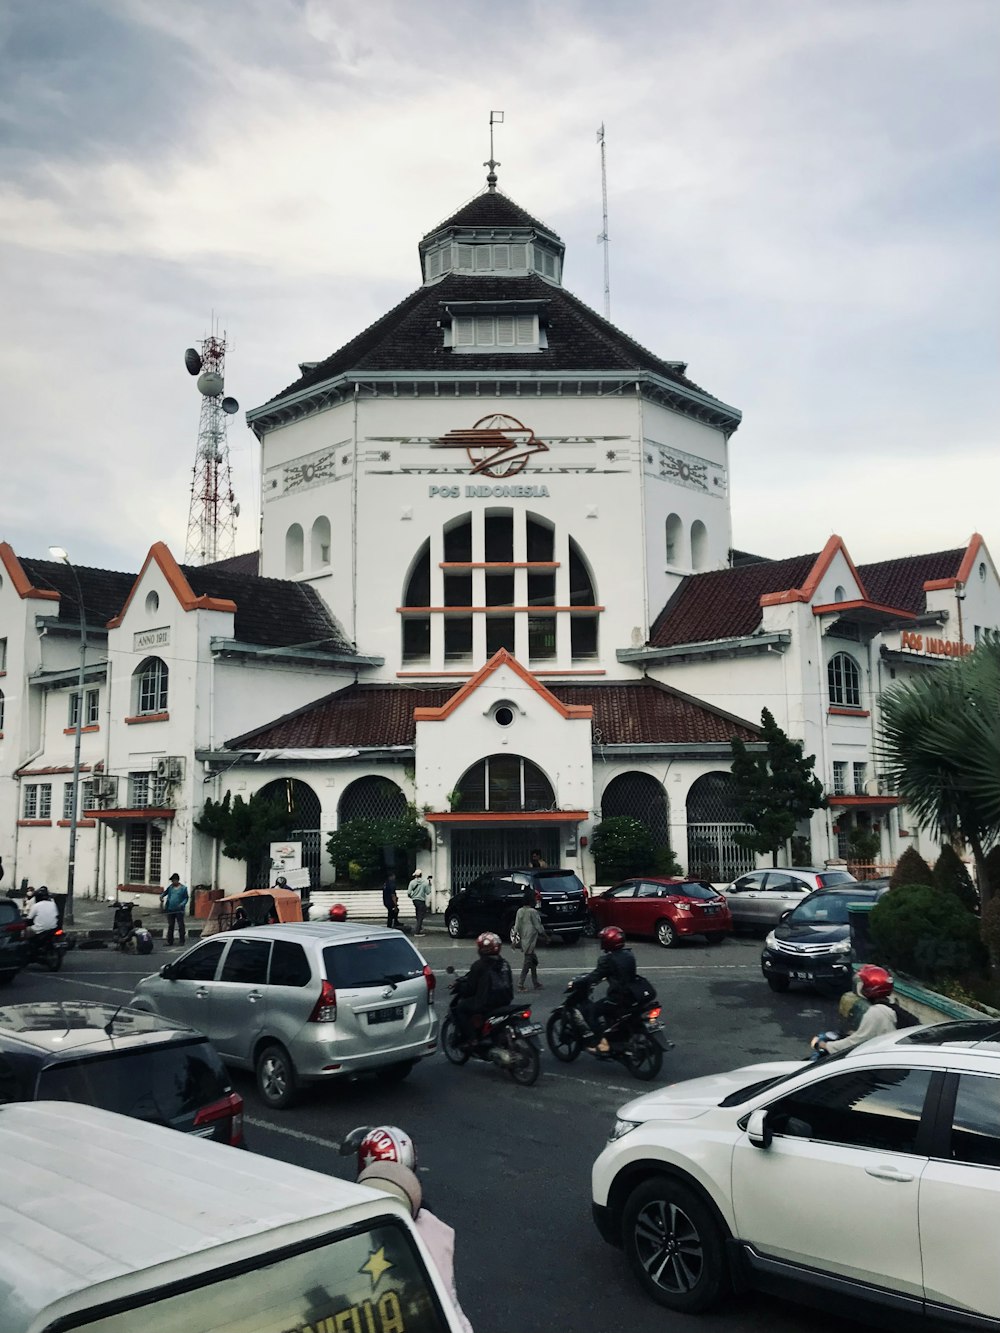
(803, 198)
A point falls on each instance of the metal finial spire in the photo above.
(496, 118)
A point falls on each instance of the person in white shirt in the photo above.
(882, 1016)
(43, 914)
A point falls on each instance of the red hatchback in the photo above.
(666, 909)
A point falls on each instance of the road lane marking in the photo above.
(332, 1144)
(91, 985)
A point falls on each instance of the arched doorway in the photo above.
(302, 803)
(639, 796)
(713, 821)
(501, 784)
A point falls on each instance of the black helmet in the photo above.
(42, 892)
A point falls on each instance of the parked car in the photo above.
(303, 1002)
(812, 942)
(758, 899)
(665, 909)
(491, 902)
(871, 1179)
(120, 1060)
(13, 940)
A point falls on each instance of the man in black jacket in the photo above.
(616, 966)
(487, 985)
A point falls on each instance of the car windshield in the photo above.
(371, 962)
(822, 909)
(829, 878)
(160, 1084)
(557, 881)
(763, 1084)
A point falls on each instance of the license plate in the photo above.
(653, 1025)
(529, 1030)
(801, 976)
(710, 910)
(392, 1015)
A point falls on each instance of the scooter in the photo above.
(47, 948)
(507, 1038)
(634, 1037)
(121, 926)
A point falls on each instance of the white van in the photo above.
(112, 1225)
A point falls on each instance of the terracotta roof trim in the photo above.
(22, 584)
(178, 584)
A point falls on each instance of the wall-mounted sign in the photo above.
(497, 446)
(145, 639)
(933, 647)
(488, 492)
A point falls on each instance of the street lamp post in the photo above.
(60, 554)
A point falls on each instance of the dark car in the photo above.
(664, 908)
(13, 940)
(812, 942)
(491, 902)
(120, 1060)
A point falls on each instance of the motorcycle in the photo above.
(121, 926)
(634, 1035)
(507, 1038)
(47, 948)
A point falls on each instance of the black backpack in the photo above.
(501, 991)
(641, 992)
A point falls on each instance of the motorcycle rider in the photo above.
(484, 986)
(616, 966)
(875, 985)
(43, 920)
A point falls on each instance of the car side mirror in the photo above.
(758, 1131)
(167, 971)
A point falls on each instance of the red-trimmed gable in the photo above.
(498, 660)
(179, 586)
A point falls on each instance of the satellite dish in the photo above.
(230, 405)
(210, 384)
(192, 360)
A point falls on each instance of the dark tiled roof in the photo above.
(104, 590)
(639, 712)
(409, 338)
(276, 613)
(247, 563)
(900, 583)
(725, 603)
(745, 558)
(490, 210)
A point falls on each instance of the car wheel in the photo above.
(778, 984)
(675, 1246)
(276, 1077)
(525, 1064)
(453, 1052)
(562, 1036)
(665, 934)
(643, 1057)
(714, 939)
(395, 1073)
(453, 925)
(591, 928)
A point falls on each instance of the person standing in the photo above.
(529, 926)
(537, 863)
(173, 900)
(390, 901)
(419, 891)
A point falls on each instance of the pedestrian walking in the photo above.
(173, 900)
(529, 926)
(390, 901)
(419, 892)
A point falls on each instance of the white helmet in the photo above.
(387, 1143)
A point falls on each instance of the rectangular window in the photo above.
(839, 777)
(484, 258)
(541, 588)
(506, 327)
(501, 256)
(3, 654)
(869, 1108)
(499, 634)
(499, 589)
(457, 638)
(45, 800)
(498, 531)
(495, 331)
(975, 1130)
(519, 256)
(860, 779)
(464, 257)
(88, 796)
(583, 637)
(31, 801)
(485, 331)
(458, 589)
(138, 790)
(464, 332)
(67, 800)
(143, 854)
(541, 638)
(91, 710)
(416, 638)
(526, 332)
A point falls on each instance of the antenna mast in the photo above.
(604, 239)
(211, 533)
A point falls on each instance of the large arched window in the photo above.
(319, 544)
(699, 545)
(639, 796)
(417, 594)
(503, 782)
(844, 679)
(294, 549)
(371, 798)
(149, 687)
(675, 539)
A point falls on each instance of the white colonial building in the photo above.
(497, 582)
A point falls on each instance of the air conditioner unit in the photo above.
(171, 769)
(105, 788)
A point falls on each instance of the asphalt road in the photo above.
(509, 1167)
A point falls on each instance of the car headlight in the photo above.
(771, 942)
(621, 1128)
(842, 946)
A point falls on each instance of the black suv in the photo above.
(13, 940)
(812, 942)
(491, 902)
(120, 1060)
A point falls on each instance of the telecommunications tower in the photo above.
(211, 533)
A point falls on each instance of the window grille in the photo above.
(639, 796)
(88, 796)
(45, 800)
(860, 779)
(67, 800)
(372, 798)
(143, 854)
(839, 777)
(505, 782)
(844, 679)
(138, 790)
(31, 801)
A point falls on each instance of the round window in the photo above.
(152, 602)
(503, 716)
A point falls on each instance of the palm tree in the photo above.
(940, 744)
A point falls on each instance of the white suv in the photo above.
(871, 1178)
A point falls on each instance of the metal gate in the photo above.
(310, 840)
(475, 851)
(715, 855)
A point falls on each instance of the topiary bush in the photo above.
(917, 929)
(911, 869)
(951, 876)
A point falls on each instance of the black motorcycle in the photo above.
(507, 1038)
(634, 1034)
(121, 925)
(47, 948)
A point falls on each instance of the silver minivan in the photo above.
(303, 1002)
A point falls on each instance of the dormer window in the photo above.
(497, 333)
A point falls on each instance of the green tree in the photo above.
(940, 747)
(361, 847)
(951, 876)
(776, 789)
(930, 935)
(911, 868)
(246, 829)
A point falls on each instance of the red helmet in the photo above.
(874, 983)
(488, 943)
(387, 1143)
(612, 938)
(338, 912)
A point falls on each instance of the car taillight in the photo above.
(819, 881)
(538, 897)
(226, 1108)
(525, 1013)
(431, 980)
(586, 893)
(325, 1010)
(57, 932)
